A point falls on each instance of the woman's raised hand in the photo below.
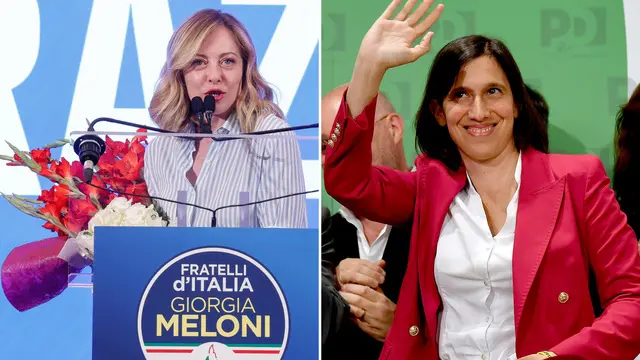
(389, 41)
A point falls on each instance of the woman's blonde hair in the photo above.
(171, 107)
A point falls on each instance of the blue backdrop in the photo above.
(64, 61)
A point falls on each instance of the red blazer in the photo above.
(568, 219)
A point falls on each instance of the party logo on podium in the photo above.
(213, 304)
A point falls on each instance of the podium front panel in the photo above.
(205, 293)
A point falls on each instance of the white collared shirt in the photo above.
(233, 172)
(474, 277)
(371, 252)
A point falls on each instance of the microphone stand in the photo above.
(126, 123)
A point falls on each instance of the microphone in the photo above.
(213, 211)
(209, 109)
(197, 108)
(89, 148)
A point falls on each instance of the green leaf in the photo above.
(57, 223)
(77, 196)
(54, 178)
(25, 208)
(95, 203)
(54, 145)
(68, 141)
(35, 212)
(31, 201)
(74, 189)
(25, 158)
(6, 158)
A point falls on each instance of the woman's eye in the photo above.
(197, 62)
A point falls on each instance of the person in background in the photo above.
(540, 104)
(366, 253)
(480, 285)
(626, 176)
(211, 53)
(335, 309)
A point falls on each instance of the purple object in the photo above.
(32, 274)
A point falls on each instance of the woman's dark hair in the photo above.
(626, 176)
(433, 139)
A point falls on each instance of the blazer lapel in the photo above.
(538, 207)
(439, 186)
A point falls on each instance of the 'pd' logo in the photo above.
(566, 32)
(215, 304)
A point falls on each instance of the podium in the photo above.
(205, 293)
(231, 274)
(235, 278)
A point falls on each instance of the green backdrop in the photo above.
(572, 51)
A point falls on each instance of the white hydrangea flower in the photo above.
(119, 204)
(84, 241)
(119, 212)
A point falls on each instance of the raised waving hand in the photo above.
(389, 43)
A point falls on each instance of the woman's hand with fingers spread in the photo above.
(389, 42)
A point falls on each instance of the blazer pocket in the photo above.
(386, 351)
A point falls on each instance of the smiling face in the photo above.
(479, 111)
(217, 70)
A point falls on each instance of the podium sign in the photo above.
(205, 293)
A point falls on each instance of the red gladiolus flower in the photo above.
(55, 207)
(42, 157)
(57, 196)
(140, 138)
(138, 189)
(80, 213)
(129, 167)
(119, 169)
(16, 161)
(118, 148)
(93, 192)
(50, 226)
(47, 195)
(106, 163)
(46, 172)
(63, 169)
(77, 170)
(111, 197)
(118, 183)
(138, 149)
(51, 209)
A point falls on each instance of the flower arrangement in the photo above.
(68, 206)
(36, 272)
